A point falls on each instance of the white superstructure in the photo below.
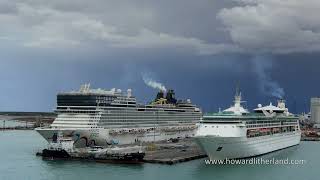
(101, 117)
(237, 133)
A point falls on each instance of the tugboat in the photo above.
(63, 148)
(60, 147)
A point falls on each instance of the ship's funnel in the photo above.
(281, 104)
(159, 95)
(171, 97)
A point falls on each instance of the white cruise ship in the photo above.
(101, 117)
(236, 133)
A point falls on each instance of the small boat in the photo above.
(60, 147)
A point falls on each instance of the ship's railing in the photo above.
(257, 132)
(152, 129)
(273, 123)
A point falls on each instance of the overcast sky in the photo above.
(200, 48)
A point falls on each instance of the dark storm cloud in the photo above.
(204, 27)
(274, 26)
(125, 24)
(6, 7)
(199, 48)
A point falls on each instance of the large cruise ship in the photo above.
(236, 133)
(101, 117)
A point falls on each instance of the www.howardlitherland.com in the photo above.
(256, 161)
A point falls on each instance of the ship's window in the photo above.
(217, 126)
(219, 148)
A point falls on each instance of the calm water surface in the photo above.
(18, 161)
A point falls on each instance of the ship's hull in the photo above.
(222, 148)
(102, 137)
(56, 154)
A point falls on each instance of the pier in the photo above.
(305, 138)
(16, 128)
(24, 120)
(310, 134)
(172, 153)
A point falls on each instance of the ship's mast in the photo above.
(237, 98)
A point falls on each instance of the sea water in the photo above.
(18, 162)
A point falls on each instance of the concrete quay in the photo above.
(172, 153)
